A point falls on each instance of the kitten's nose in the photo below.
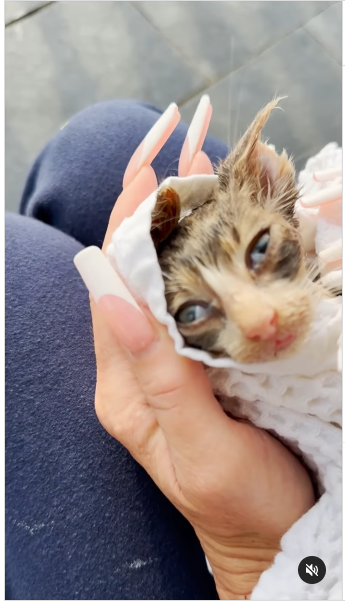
(262, 327)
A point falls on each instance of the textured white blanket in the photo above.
(298, 399)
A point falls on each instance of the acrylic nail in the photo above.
(152, 143)
(122, 312)
(99, 276)
(323, 196)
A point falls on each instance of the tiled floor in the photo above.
(64, 56)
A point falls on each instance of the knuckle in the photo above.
(164, 392)
(116, 428)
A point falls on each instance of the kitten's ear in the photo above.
(166, 215)
(270, 176)
(277, 177)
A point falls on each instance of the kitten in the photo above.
(234, 269)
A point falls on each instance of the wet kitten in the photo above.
(234, 269)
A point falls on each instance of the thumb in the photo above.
(176, 388)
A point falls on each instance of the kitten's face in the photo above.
(237, 286)
(234, 270)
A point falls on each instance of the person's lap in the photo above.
(83, 520)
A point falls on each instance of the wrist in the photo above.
(238, 563)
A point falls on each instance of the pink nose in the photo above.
(262, 328)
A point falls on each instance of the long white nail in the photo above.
(99, 277)
(327, 175)
(323, 196)
(197, 124)
(154, 135)
(332, 253)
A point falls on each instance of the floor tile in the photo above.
(326, 28)
(298, 67)
(71, 55)
(15, 10)
(217, 37)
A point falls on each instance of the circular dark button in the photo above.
(312, 569)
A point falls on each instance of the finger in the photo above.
(130, 198)
(332, 253)
(327, 175)
(201, 165)
(113, 361)
(105, 285)
(195, 138)
(108, 351)
(139, 180)
(174, 386)
(152, 143)
(111, 358)
(323, 196)
(120, 404)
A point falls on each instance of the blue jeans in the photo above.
(83, 519)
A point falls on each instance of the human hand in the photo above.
(239, 488)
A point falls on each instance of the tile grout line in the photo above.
(33, 11)
(213, 81)
(223, 76)
(321, 46)
(187, 60)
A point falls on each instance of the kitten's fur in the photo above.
(204, 257)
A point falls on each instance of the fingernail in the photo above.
(332, 252)
(123, 314)
(152, 143)
(195, 136)
(323, 196)
(199, 126)
(327, 175)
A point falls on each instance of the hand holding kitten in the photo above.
(239, 488)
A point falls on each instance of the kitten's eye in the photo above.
(191, 313)
(257, 250)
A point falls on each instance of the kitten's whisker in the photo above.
(156, 213)
(161, 178)
(281, 194)
(237, 113)
(333, 290)
(161, 223)
(282, 202)
(232, 54)
(313, 269)
(167, 276)
(315, 287)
